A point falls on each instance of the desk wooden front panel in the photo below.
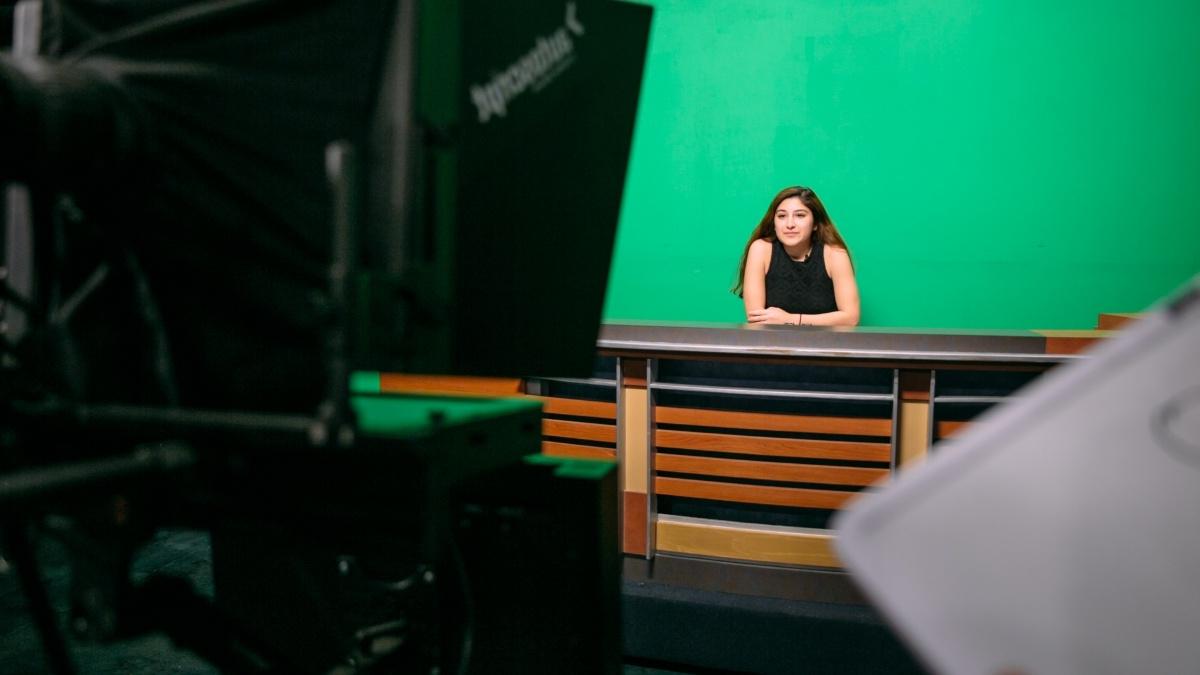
(674, 445)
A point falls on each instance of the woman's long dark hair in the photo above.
(824, 230)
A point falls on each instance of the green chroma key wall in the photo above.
(992, 163)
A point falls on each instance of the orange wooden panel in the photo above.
(577, 407)
(578, 451)
(773, 421)
(1071, 341)
(633, 372)
(587, 431)
(633, 527)
(947, 428)
(741, 468)
(446, 384)
(914, 385)
(1067, 345)
(773, 447)
(1115, 320)
(752, 494)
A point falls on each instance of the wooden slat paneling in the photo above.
(947, 428)
(606, 433)
(773, 447)
(741, 468)
(577, 407)
(752, 494)
(813, 424)
(578, 451)
(445, 384)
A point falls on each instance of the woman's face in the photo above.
(793, 222)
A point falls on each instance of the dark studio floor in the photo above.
(666, 627)
(178, 553)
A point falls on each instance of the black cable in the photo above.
(53, 28)
(62, 314)
(21, 488)
(467, 644)
(10, 295)
(163, 366)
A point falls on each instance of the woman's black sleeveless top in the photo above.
(800, 287)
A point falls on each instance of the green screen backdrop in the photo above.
(992, 164)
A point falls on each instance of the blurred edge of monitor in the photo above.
(496, 167)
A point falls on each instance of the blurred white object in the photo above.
(1061, 533)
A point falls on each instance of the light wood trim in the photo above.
(552, 405)
(738, 542)
(752, 494)
(741, 468)
(605, 433)
(813, 424)
(556, 449)
(635, 432)
(773, 447)
(914, 429)
(447, 384)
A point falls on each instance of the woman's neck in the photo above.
(800, 252)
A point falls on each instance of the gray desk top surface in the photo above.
(1014, 346)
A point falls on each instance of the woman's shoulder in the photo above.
(761, 246)
(836, 251)
(758, 257)
(836, 257)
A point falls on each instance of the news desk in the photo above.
(737, 443)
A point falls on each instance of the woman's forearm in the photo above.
(839, 317)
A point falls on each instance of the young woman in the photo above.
(796, 268)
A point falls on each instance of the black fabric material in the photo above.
(799, 287)
(744, 513)
(207, 123)
(775, 376)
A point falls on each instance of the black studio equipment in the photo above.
(217, 214)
